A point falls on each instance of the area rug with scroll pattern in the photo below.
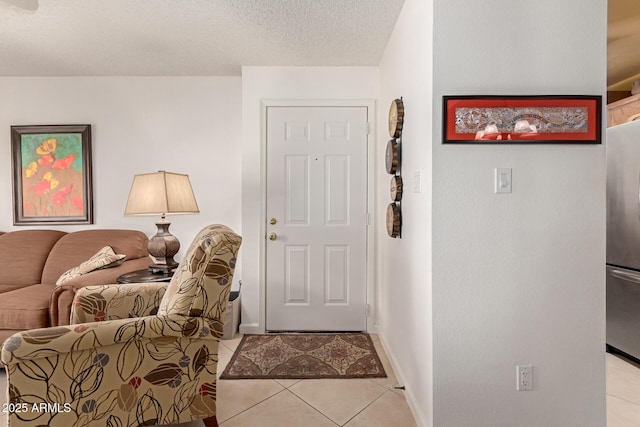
(304, 356)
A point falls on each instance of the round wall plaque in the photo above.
(396, 118)
(393, 220)
(396, 188)
(392, 158)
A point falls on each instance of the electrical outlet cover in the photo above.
(525, 378)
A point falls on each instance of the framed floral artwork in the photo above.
(551, 119)
(52, 182)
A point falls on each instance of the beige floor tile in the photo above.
(224, 356)
(622, 363)
(287, 383)
(388, 410)
(232, 344)
(390, 381)
(235, 396)
(623, 392)
(282, 410)
(340, 400)
(622, 384)
(622, 413)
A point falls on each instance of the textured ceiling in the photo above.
(623, 44)
(188, 37)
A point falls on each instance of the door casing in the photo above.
(372, 324)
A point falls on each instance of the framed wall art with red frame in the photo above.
(538, 119)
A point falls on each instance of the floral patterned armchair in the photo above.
(147, 356)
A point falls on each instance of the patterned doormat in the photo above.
(304, 356)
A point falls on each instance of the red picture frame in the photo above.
(538, 119)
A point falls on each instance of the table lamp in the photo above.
(162, 193)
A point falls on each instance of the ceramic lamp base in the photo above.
(162, 247)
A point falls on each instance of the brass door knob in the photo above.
(272, 221)
(273, 236)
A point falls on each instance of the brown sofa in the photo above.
(31, 261)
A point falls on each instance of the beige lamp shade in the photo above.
(161, 193)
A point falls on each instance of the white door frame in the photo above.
(372, 318)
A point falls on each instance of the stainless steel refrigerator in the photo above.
(623, 239)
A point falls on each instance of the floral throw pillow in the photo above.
(105, 258)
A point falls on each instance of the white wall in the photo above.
(140, 124)
(280, 83)
(404, 265)
(518, 278)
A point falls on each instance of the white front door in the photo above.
(316, 218)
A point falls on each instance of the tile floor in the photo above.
(350, 403)
(366, 402)
(623, 392)
(283, 403)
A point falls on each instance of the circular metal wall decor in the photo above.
(395, 189)
(393, 220)
(396, 118)
(392, 158)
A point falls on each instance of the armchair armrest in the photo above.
(63, 295)
(112, 302)
(47, 342)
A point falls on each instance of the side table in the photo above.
(142, 276)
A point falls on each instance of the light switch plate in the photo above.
(502, 180)
(417, 182)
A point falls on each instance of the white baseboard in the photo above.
(250, 328)
(254, 328)
(408, 394)
(374, 329)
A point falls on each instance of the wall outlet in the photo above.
(525, 378)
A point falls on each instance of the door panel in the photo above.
(337, 274)
(297, 190)
(317, 194)
(337, 190)
(297, 274)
